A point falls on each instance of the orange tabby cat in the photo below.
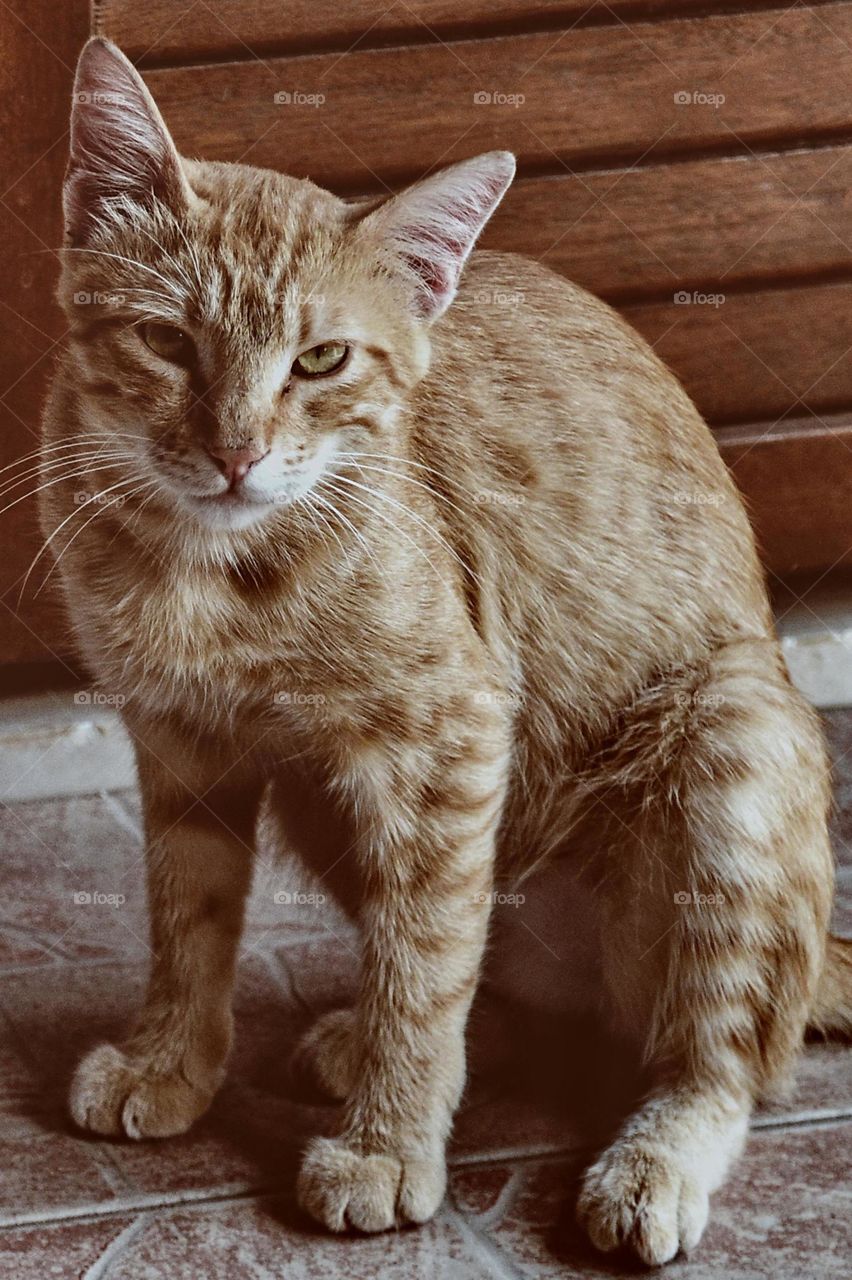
(433, 550)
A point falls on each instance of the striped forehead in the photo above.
(264, 255)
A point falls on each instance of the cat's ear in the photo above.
(429, 230)
(121, 152)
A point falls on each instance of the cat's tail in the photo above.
(831, 1014)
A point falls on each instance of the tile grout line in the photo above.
(148, 1201)
(505, 1199)
(485, 1248)
(115, 1248)
(121, 816)
(138, 1204)
(111, 1175)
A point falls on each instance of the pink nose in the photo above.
(235, 464)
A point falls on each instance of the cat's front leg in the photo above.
(199, 818)
(426, 898)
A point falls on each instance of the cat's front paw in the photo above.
(643, 1197)
(324, 1056)
(342, 1189)
(113, 1095)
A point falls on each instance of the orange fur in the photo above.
(494, 602)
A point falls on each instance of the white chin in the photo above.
(221, 513)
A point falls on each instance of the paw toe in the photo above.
(341, 1188)
(113, 1096)
(642, 1200)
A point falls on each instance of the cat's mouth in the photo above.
(231, 509)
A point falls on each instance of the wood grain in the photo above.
(757, 355)
(220, 28)
(365, 119)
(40, 41)
(658, 228)
(796, 478)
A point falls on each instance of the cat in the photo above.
(426, 549)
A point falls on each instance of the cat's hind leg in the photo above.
(714, 915)
(325, 1057)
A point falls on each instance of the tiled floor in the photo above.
(219, 1202)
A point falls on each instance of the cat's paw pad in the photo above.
(324, 1055)
(343, 1189)
(641, 1196)
(115, 1096)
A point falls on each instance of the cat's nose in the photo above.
(235, 464)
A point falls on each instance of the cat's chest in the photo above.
(197, 642)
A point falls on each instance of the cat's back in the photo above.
(590, 480)
(528, 326)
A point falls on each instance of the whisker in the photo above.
(169, 258)
(72, 442)
(194, 258)
(58, 480)
(379, 493)
(132, 262)
(400, 475)
(382, 516)
(316, 514)
(61, 525)
(73, 461)
(409, 462)
(359, 537)
(100, 509)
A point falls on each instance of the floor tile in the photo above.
(61, 1250)
(44, 1169)
(73, 883)
(263, 1240)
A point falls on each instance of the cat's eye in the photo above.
(168, 341)
(325, 358)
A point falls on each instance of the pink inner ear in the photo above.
(437, 265)
(432, 227)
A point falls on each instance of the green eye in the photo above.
(168, 342)
(325, 358)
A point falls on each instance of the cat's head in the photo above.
(236, 331)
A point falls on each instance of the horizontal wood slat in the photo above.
(757, 355)
(219, 28)
(796, 477)
(621, 232)
(358, 120)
